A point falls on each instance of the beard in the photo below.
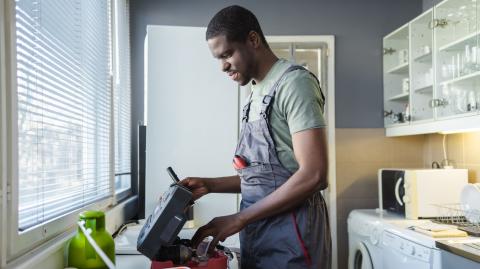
(246, 70)
(247, 76)
(244, 81)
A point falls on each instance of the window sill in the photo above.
(115, 217)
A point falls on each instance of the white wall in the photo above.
(192, 116)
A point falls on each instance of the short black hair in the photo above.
(235, 23)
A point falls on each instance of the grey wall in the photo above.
(358, 27)
(429, 3)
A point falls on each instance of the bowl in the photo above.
(470, 199)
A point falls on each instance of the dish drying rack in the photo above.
(456, 214)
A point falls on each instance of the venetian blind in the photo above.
(122, 97)
(64, 102)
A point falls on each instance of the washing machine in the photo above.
(384, 240)
(404, 248)
(365, 232)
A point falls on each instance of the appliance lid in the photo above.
(163, 225)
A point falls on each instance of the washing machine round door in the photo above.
(360, 258)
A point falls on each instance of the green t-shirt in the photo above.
(297, 106)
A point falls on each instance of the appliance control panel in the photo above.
(166, 221)
(406, 247)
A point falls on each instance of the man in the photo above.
(281, 156)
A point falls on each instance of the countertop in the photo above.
(132, 261)
(468, 247)
(128, 257)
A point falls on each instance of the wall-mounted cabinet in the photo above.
(440, 89)
(457, 68)
(421, 37)
(396, 76)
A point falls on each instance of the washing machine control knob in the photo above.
(412, 250)
(375, 236)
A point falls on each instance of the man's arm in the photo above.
(310, 150)
(229, 184)
(201, 186)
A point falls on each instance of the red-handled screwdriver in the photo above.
(239, 162)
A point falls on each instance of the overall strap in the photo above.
(267, 99)
(246, 108)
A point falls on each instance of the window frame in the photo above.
(124, 194)
(3, 138)
(13, 242)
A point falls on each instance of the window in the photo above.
(67, 114)
(122, 94)
(63, 60)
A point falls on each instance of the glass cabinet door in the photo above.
(396, 82)
(421, 84)
(457, 90)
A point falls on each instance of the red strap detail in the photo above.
(308, 260)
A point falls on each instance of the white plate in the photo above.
(470, 199)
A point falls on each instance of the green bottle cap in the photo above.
(91, 214)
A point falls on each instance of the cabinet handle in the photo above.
(388, 51)
(438, 23)
(442, 102)
(438, 102)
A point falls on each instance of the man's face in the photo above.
(236, 58)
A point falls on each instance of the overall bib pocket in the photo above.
(256, 182)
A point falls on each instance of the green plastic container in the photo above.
(81, 254)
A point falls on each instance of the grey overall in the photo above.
(296, 239)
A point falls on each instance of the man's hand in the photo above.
(198, 186)
(220, 228)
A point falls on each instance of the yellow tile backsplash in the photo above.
(471, 147)
(463, 150)
(362, 145)
(360, 152)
